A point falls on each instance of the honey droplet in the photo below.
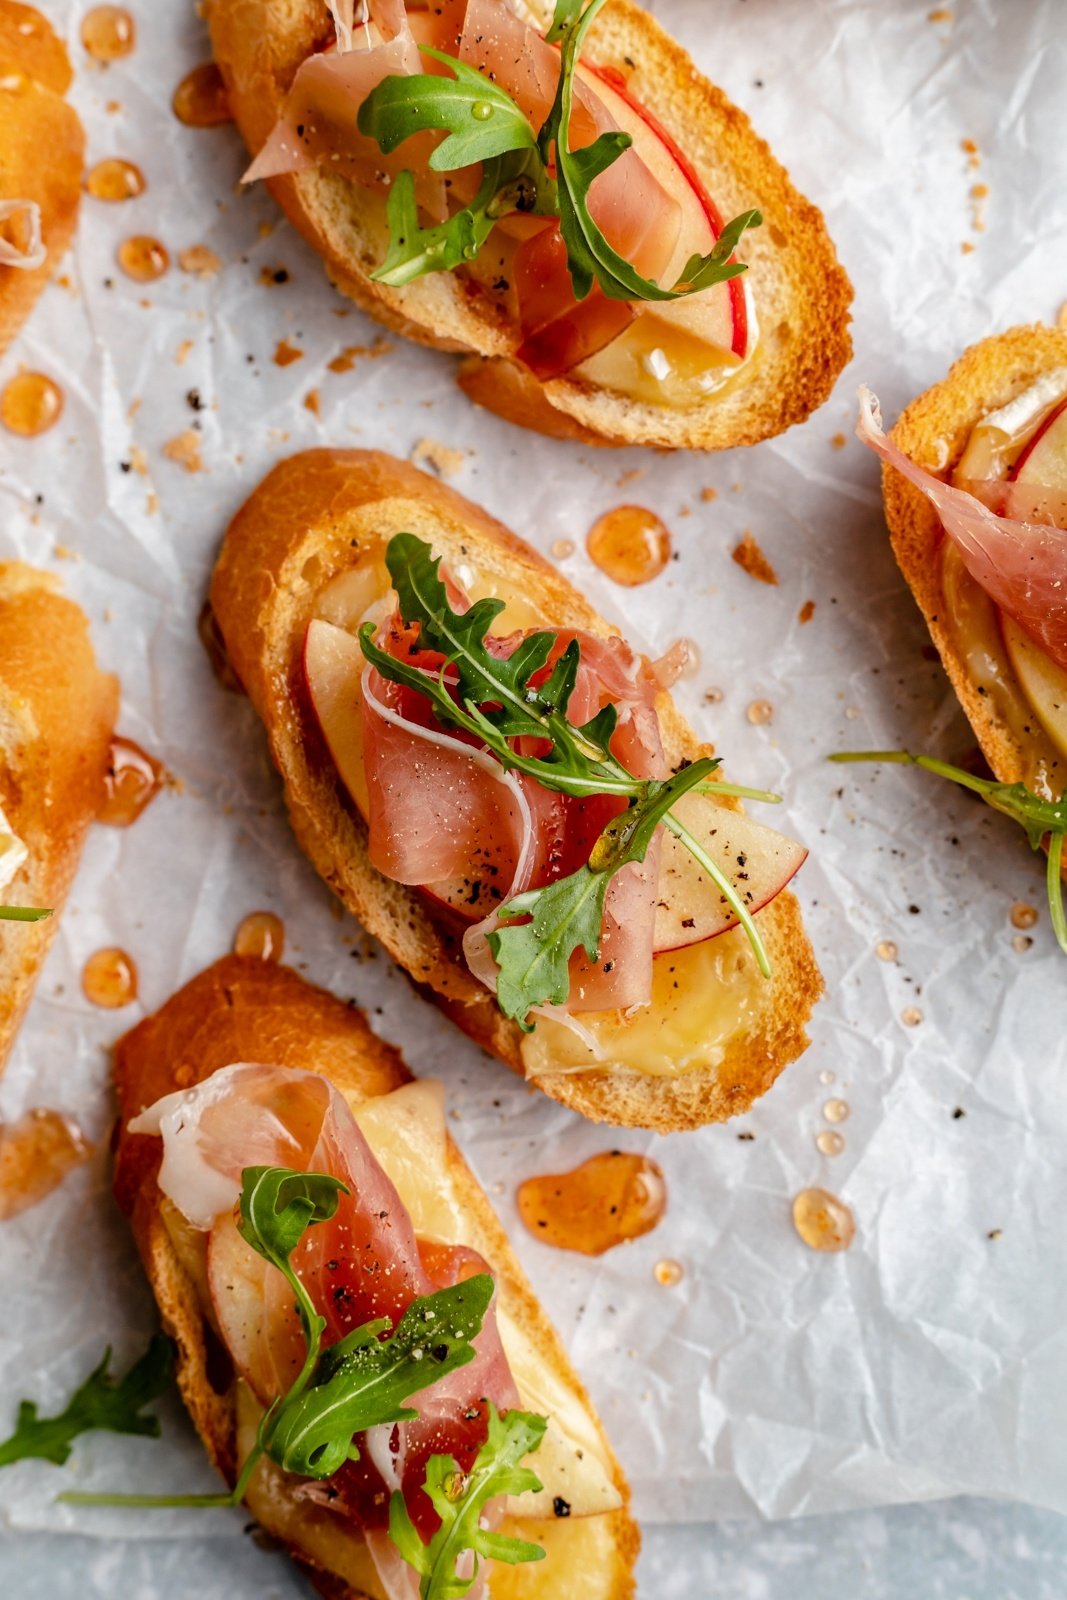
(1022, 942)
(109, 979)
(563, 548)
(760, 712)
(826, 1076)
(214, 644)
(108, 33)
(1023, 916)
(630, 544)
(668, 1273)
(911, 1017)
(115, 180)
(143, 258)
(285, 353)
(133, 779)
(200, 100)
(836, 1110)
(886, 950)
(822, 1220)
(36, 1153)
(30, 404)
(608, 1199)
(830, 1142)
(261, 934)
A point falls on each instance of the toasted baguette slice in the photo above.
(57, 713)
(244, 1009)
(801, 294)
(304, 525)
(36, 118)
(934, 431)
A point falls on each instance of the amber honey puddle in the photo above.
(630, 544)
(133, 780)
(108, 33)
(115, 180)
(610, 1198)
(823, 1221)
(109, 979)
(261, 934)
(200, 99)
(36, 1153)
(30, 403)
(143, 258)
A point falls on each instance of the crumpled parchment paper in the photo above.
(930, 1358)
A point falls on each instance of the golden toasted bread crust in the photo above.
(57, 713)
(301, 527)
(802, 295)
(36, 118)
(245, 1009)
(933, 432)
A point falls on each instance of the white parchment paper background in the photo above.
(930, 1359)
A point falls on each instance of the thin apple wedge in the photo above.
(1042, 681)
(758, 862)
(333, 669)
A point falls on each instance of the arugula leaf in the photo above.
(482, 119)
(1040, 819)
(484, 124)
(511, 182)
(24, 913)
(278, 1205)
(364, 1380)
(459, 1502)
(100, 1404)
(590, 257)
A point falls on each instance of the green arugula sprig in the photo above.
(495, 701)
(359, 1382)
(24, 913)
(484, 124)
(459, 1502)
(100, 1404)
(1041, 819)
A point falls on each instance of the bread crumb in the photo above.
(285, 353)
(113, 106)
(266, 229)
(311, 401)
(138, 461)
(1061, 318)
(806, 612)
(750, 558)
(200, 260)
(440, 458)
(181, 355)
(63, 552)
(184, 449)
(967, 248)
(133, 407)
(151, 505)
(353, 352)
(838, 441)
(630, 476)
(942, 14)
(708, 495)
(273, 277)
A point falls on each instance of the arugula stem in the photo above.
(726, 889)
(74, 1497)
(1055, 890)
(738, 791)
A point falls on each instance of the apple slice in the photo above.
(1042, 681)
(1044, 458)
(758, 862)
(333, 670)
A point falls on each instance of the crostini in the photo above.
(975, 489)
(57, 714)
(663, 283)
(506, 797)
(38, 197)
(323, 1178)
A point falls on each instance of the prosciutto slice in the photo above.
(443, 811)
(27, 249)
(1019, 562)
(364, 1263)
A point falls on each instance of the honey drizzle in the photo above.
(132, 782)
(30, 403)
(606, 1200)
(260, 934)
(630, 545)
(108, 33)
(143, 258)
(36, 1154)
(109, 979)
(115, 180)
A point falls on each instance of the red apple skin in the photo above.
(1055, 416)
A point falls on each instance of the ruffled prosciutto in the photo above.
(1020, 561)
(21, 245)
(364, 1263)
(444, 815)
(318, 128)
